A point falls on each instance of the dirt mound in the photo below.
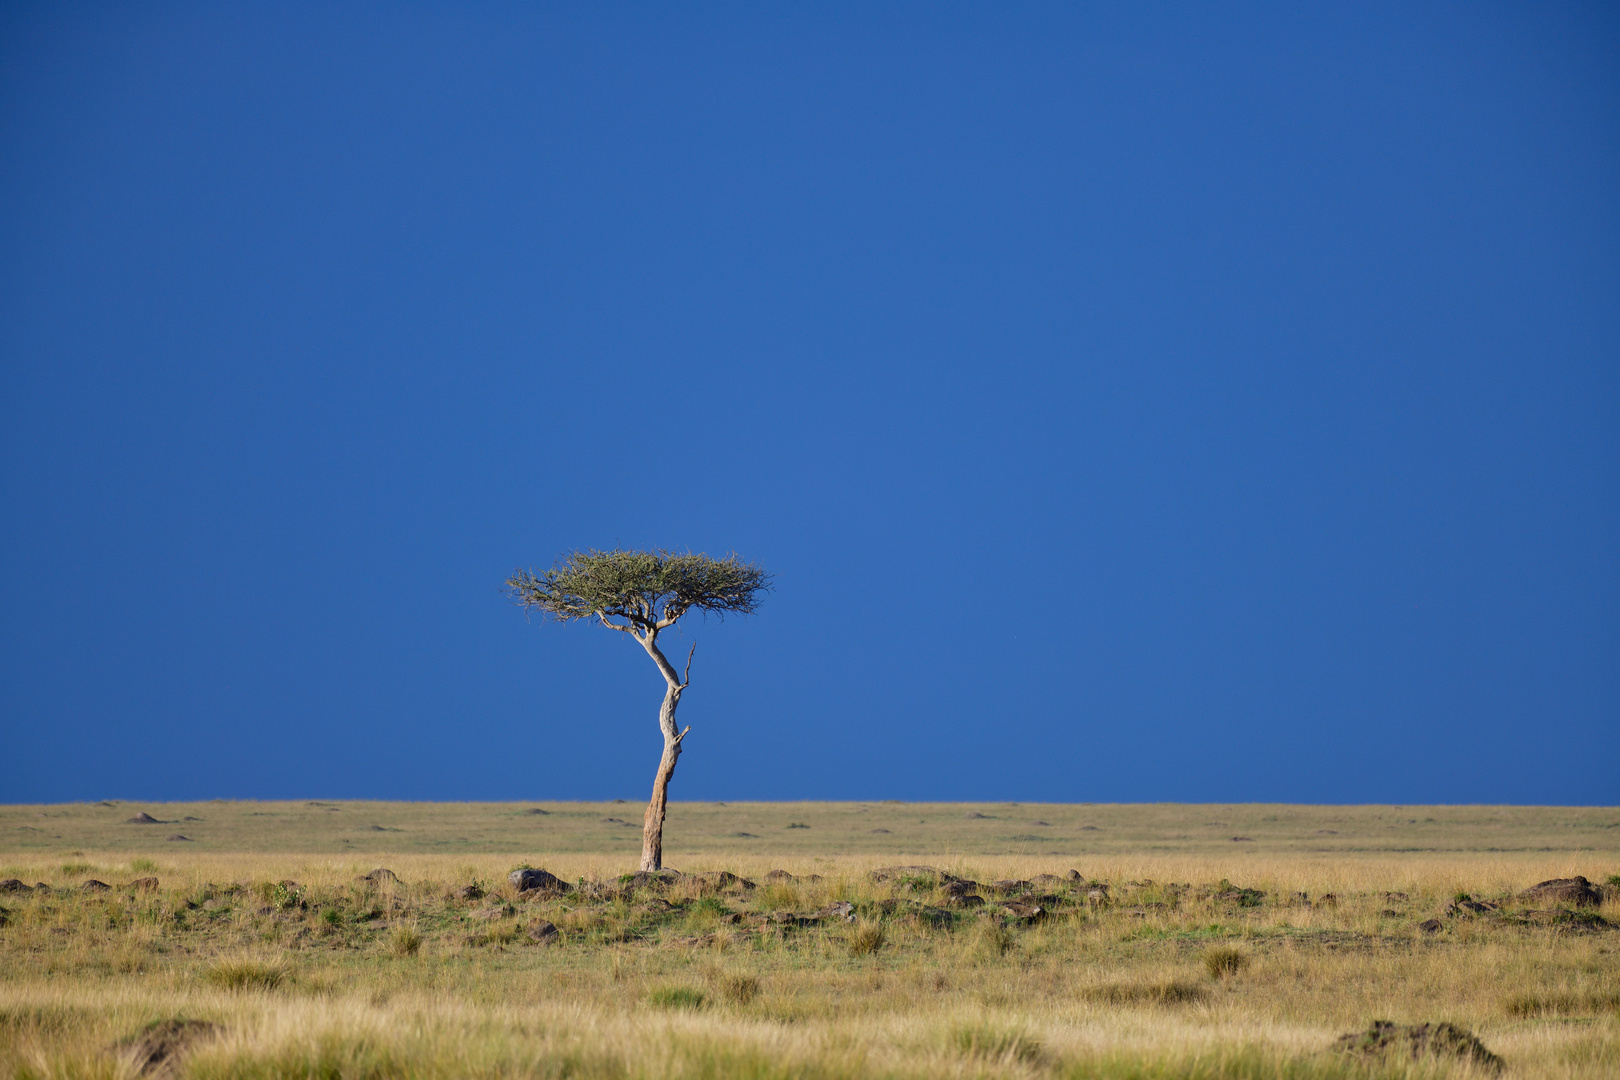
(92, 885)
(143, 818)
(176, 837)
(1575, 890)
(1417, 1041)
(14, 885)
(156, 1051)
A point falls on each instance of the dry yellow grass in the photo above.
(335, 978)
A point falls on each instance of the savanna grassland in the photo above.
(803, 940)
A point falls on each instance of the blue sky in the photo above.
(1135, 402)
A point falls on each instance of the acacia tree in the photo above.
(643, 593)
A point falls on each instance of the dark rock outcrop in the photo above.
(531, 880)
(1573, 890)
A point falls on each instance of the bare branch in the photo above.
(686, 678)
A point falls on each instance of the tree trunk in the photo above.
(652, 825)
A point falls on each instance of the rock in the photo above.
(965, 900)
(841, 909)
(502, 912)
(974, 815)
(1023, 912)
(1009, 886)
(544, 933)
(92, 885)
(1088, 828)
(1074, 875)
(1417, 1041)
(1327, 899)
(658, 906)
(1467, 908)
(1390, 913)
(1396, 896)
(1097, 896)
(1327, 832)
(530, 880)
(156, 1050)
(1043, 824)
(177, 838)
(13, 885)
(1046, 879)
(379, 876)
(470, 892)
(1574, 890)
(960, 887)
(885, 832)
(781, 875)
(1242, 839)
(1431, 926)
(144, 884)
(142, 818)
(536, 810)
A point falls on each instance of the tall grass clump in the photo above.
(677, 997)
(739, 989)
(867, 938)
(1145, 993)
(405, 941)
(1224, 960)
(247, 974)
(989, 1043)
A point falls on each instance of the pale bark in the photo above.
(652, 828)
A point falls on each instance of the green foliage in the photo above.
(146, 866)
(711, 905)
(647, 590)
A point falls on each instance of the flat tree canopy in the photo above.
(647, 590)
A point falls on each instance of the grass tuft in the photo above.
(1225, 960)
(677, 997)
(245, 974)
(1145, 993)
(404, 941)
(867, 938)
(739, 989)
(989, 1043)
